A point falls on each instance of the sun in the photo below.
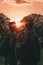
(17, 21)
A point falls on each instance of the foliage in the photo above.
(4, 20)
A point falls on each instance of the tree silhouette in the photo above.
(4, 21)
(38, 23)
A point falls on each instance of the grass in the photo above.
(2, 59)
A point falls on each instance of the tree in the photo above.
(4, 23)
(37, 23)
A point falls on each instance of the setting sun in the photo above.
(17, 21)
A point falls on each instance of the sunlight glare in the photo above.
(17, 21)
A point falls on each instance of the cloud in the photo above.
(13, 2)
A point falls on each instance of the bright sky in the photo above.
(21, 10)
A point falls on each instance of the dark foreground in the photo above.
(2, 59)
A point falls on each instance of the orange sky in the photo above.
(15, 10)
